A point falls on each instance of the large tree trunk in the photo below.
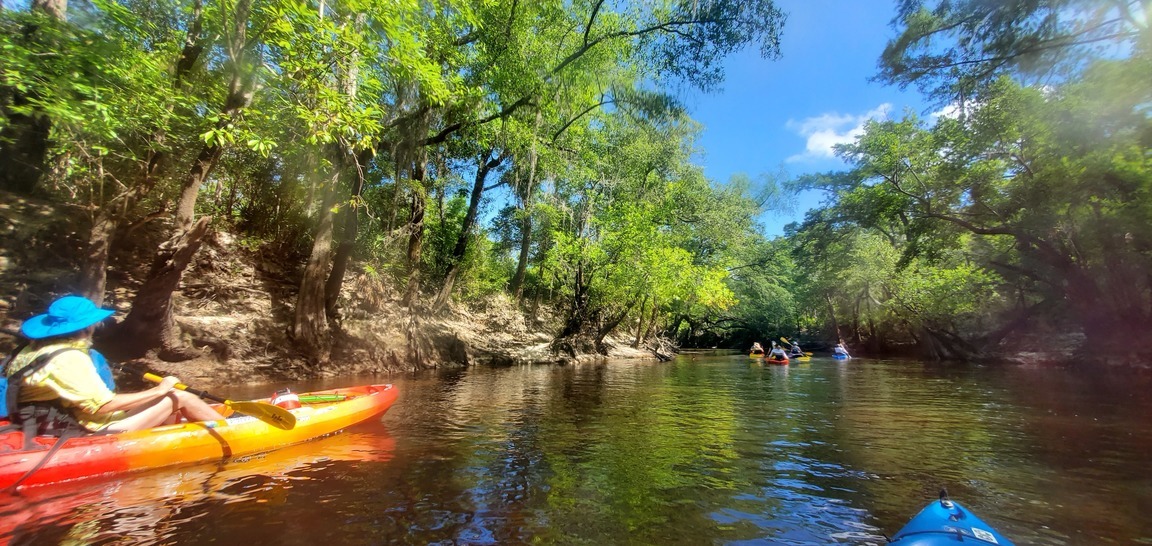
(190, 190)
(652, 320)
(340, 261)
(150, 322)
(351, 228)
(154, 299)
(609, 325)
(310, 327)
(188, 233)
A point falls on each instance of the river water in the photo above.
(711, 448)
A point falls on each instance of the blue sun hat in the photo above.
(65, 315)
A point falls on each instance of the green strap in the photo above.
(320, 398)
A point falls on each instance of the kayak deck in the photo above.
(321, 413)
(945, 522)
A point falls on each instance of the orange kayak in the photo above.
(778, 361)
(320, 413)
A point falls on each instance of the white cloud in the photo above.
(828, 129)
(950, 111)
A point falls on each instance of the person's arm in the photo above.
(132, 400)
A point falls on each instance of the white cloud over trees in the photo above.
(829, 129)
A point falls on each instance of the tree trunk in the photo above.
(640, 324)
(150, 322)
(522, 261)
(580, 334)
(525, 195)
(610, 324)
(652, 320)
(156, 325)
(351, 222)
(344, 248)
(415, 239)
(832, 316)
(487, 163)
(310, 327)
(673, 329)
(190, 190)
(94, 270)
(169, 261)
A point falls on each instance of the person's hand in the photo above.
(168, 384)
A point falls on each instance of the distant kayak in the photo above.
(838, 356)
(776, 361)
(756, 354)
(945, 522)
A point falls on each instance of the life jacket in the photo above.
(48, 418)
(42, 418)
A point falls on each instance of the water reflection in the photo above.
(162, 506)
(705, 449)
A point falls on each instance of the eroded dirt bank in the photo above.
(234, 306)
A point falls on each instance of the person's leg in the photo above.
(195, 409)
(152, 415)
(161, 412)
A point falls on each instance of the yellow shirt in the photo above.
(71, 378)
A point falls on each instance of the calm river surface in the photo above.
(711, 448)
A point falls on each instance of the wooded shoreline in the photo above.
(339, 183)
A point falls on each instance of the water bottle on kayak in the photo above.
(286, 399)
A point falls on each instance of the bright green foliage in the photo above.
(288, 114)
(952, 299)
(641, 235)
(103, 91)
(764, 287)
(1033, 199)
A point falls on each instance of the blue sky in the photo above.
(782, 116)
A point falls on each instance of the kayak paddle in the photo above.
(785, 340)
(273, 415)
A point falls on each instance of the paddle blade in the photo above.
(273, 415)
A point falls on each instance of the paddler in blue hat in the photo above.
(71, 380)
